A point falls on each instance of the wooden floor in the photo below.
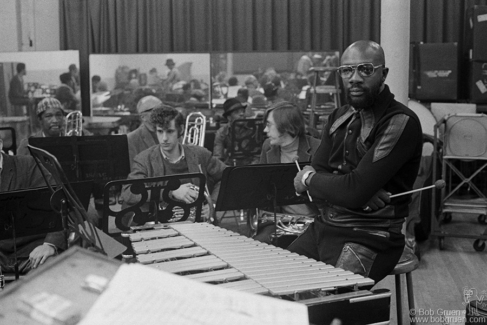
(442, 275)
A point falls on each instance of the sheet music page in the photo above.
(139, 294)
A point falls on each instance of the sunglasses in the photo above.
(364, 70)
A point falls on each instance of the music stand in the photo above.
(28, 212)
(259, 186)
(97, 158)
(65, 201)
(33, 210)
(149, 191)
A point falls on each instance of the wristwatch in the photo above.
(305, 177)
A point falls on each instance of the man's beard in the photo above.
(366, 100)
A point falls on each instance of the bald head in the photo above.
(364, 73)
(368, 50)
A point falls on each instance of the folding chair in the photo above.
(463, 159)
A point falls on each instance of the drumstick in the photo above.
(439, 184)
(299, 168)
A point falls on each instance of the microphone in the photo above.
(439, 184)
(299, 168)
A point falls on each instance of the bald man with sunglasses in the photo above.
(370, 149)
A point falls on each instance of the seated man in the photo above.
(170, 157)
(173, 75)
(285, 143)
(50, 113)
(66, 94)
(251, 83)
(144, 136)
(16, 173)
(51, 117)
(370, 148)
(233, 109)
(271, 93)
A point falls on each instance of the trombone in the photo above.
(194, 132)
(74, 124)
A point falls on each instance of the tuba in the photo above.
(74, 124)
(194, 133)
(286, 224)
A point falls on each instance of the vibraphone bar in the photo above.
(211, 254)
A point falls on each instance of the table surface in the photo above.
(12, 119)
(101, 124)
(101, 119)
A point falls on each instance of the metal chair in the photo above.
(406, 265)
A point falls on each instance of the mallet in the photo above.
(439, 184)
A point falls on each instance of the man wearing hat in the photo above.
(144, 136)
(233, 109)
(173, 75)
(51, 118)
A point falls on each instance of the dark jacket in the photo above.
(16, 93)
(306, 149)
(139, 140)
(66, 96)
(23, 150)
(149, 163)
(21, 172)
(362, 152)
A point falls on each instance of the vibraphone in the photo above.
(211, 254)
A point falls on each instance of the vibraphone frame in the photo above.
(211, 254)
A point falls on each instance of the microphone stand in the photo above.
(274, 201)
(14, 237)
(312, 117)
(64, 218)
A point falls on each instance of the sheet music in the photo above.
(139, 294)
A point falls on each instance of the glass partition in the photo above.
(269, 75)
(118, 81)
(28, 77)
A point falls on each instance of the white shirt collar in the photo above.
(181, 148)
